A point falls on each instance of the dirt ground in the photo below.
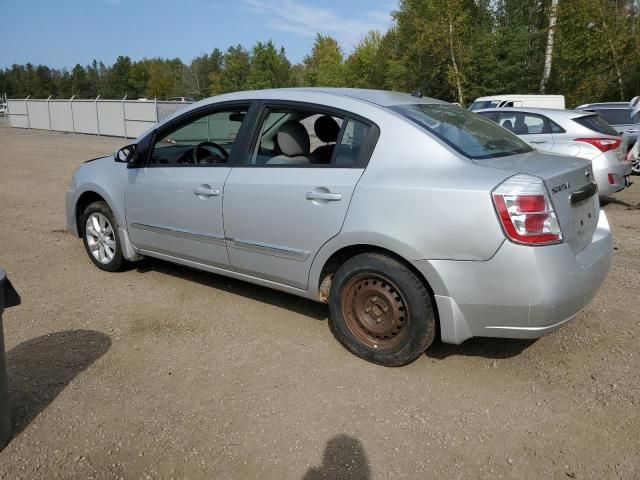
(166, 372)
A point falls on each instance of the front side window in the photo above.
(470, 134)
(205, 141)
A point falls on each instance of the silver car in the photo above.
(408, 216)
(574, 133)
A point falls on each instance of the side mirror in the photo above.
(125, 154)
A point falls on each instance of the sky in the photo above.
(62, 33)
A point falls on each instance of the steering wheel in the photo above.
(201, 145)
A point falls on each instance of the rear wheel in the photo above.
(380, 310)
(635, 165)
(100, 237)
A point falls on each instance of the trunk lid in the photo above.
(563, 176)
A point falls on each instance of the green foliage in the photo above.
(324, 66)
(269, 68)
(456, 50)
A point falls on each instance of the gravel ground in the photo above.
(166, 372)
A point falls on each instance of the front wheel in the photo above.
(100, 237)
(380, 310)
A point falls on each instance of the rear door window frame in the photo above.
(262, 111)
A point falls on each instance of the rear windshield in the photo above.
(596, 124)
(483, 104)
(468, 133)
(615, 116)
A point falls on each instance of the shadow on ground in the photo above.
(39, 369)
(480, 347)
(344, 458)
(288, 301)
(615, 201)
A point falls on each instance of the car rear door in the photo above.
(531, 127)
(279, 210)
(173, 201)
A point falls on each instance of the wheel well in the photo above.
(86, 199)
(339, 257)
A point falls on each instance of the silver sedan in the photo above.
(576, 133)
(408, 216)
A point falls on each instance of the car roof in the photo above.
(620, 105)
(381, 98)
(549, 112)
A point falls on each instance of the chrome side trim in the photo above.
(198, 237)
(268, 249)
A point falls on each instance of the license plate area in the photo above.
(585, 217)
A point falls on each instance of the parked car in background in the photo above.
(3, 109)
(409, 216)
(506, 101)
(181, 99)
(571, 132)
(618, 115)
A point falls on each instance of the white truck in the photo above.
(530, 101)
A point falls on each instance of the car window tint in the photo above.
(616, 116)
(296, 137)
(208, 140)
(596, 124)
(523, 123)
(472, 135)
(353, 140)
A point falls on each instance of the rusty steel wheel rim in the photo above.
(375, 311)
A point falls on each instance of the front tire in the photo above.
(100, 237)
(380, 310)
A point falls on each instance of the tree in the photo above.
(197, 75)
(236, 69)
(118, 82)
(269, 68)
(366, 67)
(324, 65)
(548, 57)
(80, 86)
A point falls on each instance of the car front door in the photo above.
(173, 200)
(292, 192)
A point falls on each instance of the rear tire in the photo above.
(99, 230)
(380, 310)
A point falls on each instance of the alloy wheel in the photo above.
(100, 238)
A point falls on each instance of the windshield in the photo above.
(468, 133)
(616, 116)
(483, 104)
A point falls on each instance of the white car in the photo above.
(576, 133)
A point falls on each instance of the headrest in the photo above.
(327, 129)
(293, 139)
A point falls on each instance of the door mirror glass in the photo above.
(125, 154)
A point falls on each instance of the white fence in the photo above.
(117, 118)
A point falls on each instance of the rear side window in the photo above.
(483, 104)
(596, 124)
(616, 116)
(472, 135)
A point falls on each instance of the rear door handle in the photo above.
(206, 191)
(538, 141)
(328, 196)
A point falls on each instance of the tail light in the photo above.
(525, 211)
(602, 144)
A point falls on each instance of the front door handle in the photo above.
(206, 191)
(538, 141)
(327, 196)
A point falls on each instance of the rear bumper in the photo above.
(619, 172)
(522, 292)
